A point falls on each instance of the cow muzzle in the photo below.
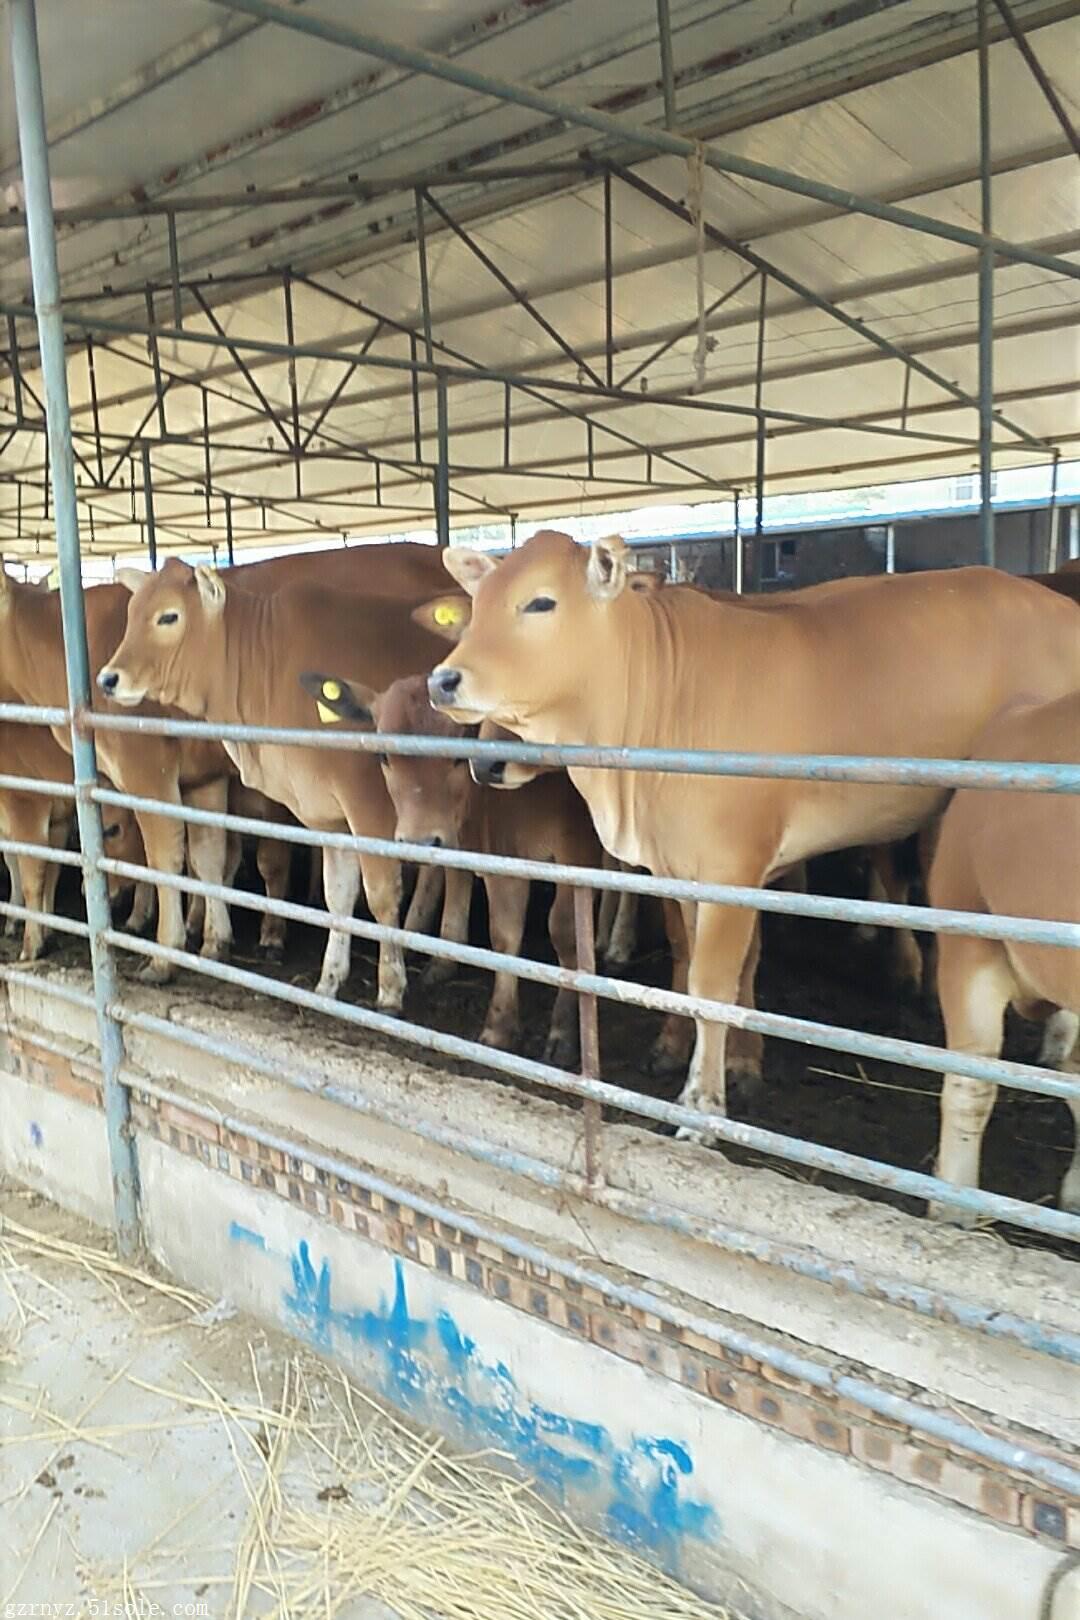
(443, 686)
(114, 684)
(488, 772)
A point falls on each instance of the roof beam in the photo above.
(647, 137)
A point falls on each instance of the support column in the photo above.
(33, 146)
(986, 302)
(442, 465)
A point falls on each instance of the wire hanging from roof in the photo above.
(695, 164)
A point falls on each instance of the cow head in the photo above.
(171, 616)
(430, 796)
(537, 618)
(503, 773)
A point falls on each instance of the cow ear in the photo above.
(606, 572)
(131, 578)
(445, 616)
(336, 700)
(211, 588)
(468, 567)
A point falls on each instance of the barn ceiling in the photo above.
(284, 171)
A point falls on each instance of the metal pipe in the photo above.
(910, 1054)
(41, 852)
(589, 1028)
(425, 291)
(800, 1261)
(34, 149)
(1023, 45)
(647, 137)
(890, 548)
(609, 288)
(738, 583)
(155, 359)
(667, 62)
(229, 530)
(148, 506)
(759, 463)
(294, 396)
(94, 407)
(1073, 546)
(48, 919)
(986, 299)
(828, 306)
(442, 465)
(913, 1183)
(940, 1426)
(415, 367)
(174, 270)
(1052, 538)
(899, 770)
(16, 369)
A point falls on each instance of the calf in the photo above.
(437, 802)
(1008, 854)
(197, 641)
(560, 651)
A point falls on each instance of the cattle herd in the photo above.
(561, 643)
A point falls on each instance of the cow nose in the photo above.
(108, 680)
(442, 684)
(489, 774)
(434, 842)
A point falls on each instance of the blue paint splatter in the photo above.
(645, 1484)
(36, 1134)
(244, 1234)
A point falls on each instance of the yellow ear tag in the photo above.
(447, 613)
(331, 691)
(327, 716)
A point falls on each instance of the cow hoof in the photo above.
(216, 950)
(154, 972)
(561, 1051)
(1069, 1197)
(951, 1215)
(744, 1083)
(697, 1134)
(439, 970)
(273, 955)
(33, 953)
(330, 988)
(496, 1039)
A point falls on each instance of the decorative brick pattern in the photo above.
(736, 1381)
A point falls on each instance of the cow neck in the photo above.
(237, 686)
(33, 662)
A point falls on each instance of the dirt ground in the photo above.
(161, 1455)
(809, 969)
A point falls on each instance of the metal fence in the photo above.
(587, 1088)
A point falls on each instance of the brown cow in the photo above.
(437, 802)
(34, 818)
(198, 642)
(561, 652)
(1008, 854)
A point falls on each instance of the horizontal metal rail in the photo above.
(911, 1054)
(803, 1262)
(29, 714)
(925, 1302)
(924, 919)
(40, 852)
(31, 784)
(48, 919)
(870, 768)
(941, 1426)
(811, 1155)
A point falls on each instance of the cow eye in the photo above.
(168, 618)
(113, 831)
(539, 604)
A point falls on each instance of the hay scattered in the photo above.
(102, 1265)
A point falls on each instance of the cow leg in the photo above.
(12, 925)
(1059, 1038)
(382, 886)
(508, 900)
(605, 920)
(564, 1034)
(746, 1048)
(429, 885)
(30, 824)
(886, 883)
(59, 838)
(208, 854)
(315, 878)
(671, 1049)
(457, 902)
(723, 938)
(164, 842)
(341, 883)
(196, 905)
(273, 857)
(975, 985)
(142, 909)
(1069, 1196)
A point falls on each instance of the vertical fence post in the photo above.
(442, 466)
(1073, 544)
(986, 301)
(890, 549)
(148, 506)
(737, 581)
(1053, 538)
(585, 958)
(33, 145)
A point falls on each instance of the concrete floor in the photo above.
(137, 1452)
